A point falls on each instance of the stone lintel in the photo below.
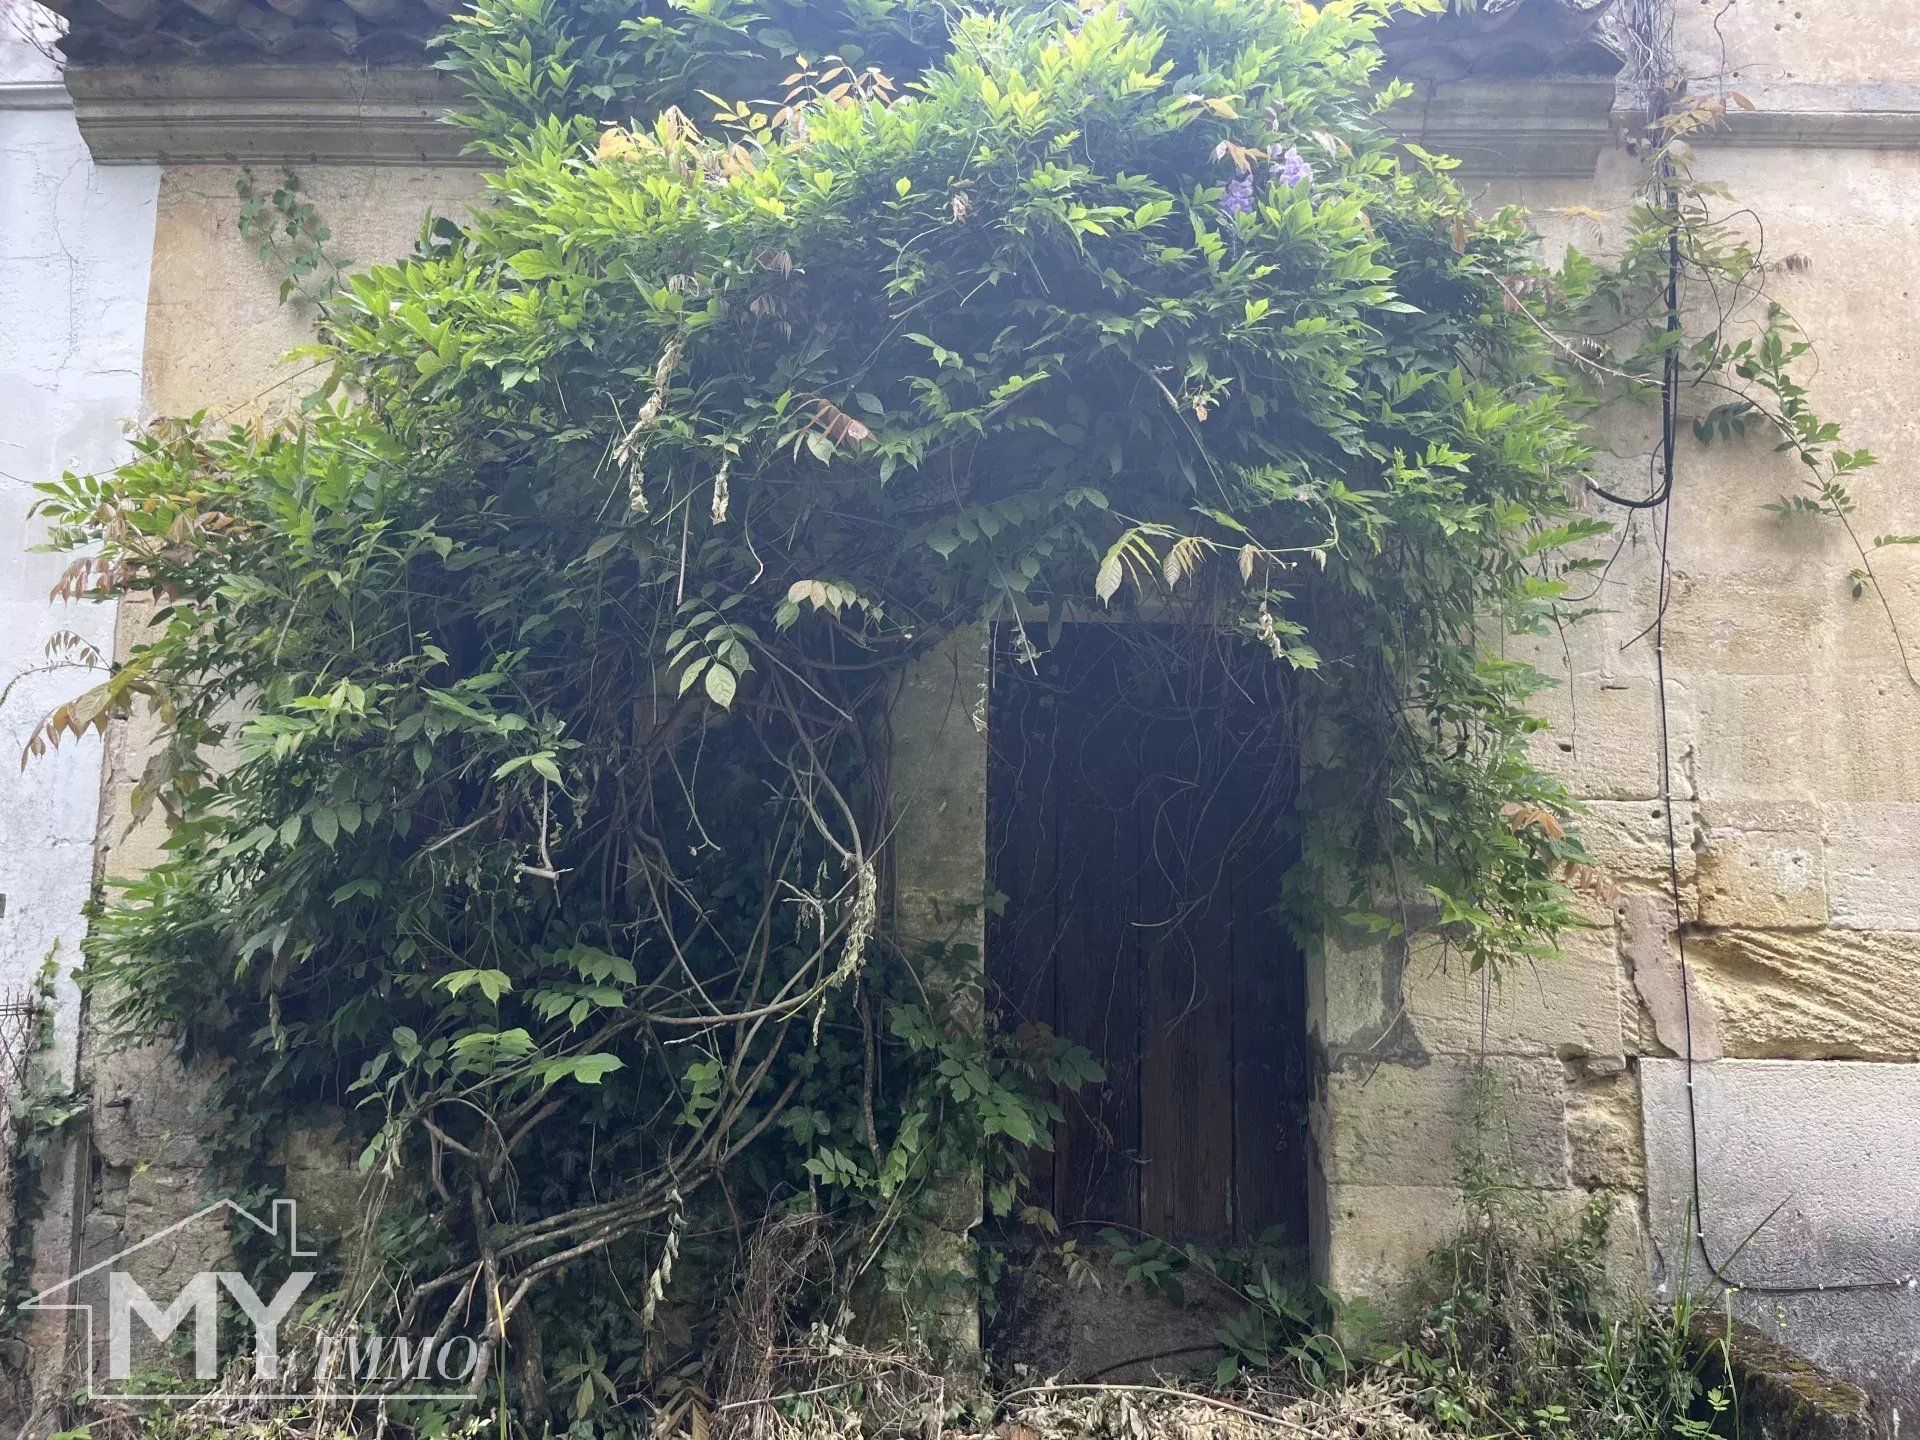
(344, 114)
(265, 114)
(1513, 129)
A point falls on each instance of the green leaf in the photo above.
(491, 983)
(592, 964)
(532, 264)
(584, 1069)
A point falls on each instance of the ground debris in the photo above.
(1377, 1407)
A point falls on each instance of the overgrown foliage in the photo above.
(1534, 1324)
(1529, 1335)
(42, 1112)
(547, 652)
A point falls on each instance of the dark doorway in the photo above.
(1140, 780)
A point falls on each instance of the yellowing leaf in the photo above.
(616, 144)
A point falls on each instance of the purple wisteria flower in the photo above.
(1291, 169)
(1238, 200)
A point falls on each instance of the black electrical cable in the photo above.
(1669, 426)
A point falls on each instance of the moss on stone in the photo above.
(1783, 1395)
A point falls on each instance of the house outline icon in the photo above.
(283, 1226)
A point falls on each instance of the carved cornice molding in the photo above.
(1794, 116)
(1513, 129)
(265, 114)
(1515, 88)
(34, 95)
(338, 114)
(1521, 93)
(341, 114)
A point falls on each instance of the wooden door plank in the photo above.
(1186, 1088)
(1271, 1077)
(1100, 841)
(1097, 967)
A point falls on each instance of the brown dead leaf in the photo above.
(1519, 817)
(837, 425)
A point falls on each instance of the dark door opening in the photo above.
(1136, 775)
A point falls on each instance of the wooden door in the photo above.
(1139, 779)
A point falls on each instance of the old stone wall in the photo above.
(74, 242)
(1805, 716)
(216, 335)
(1791, 713)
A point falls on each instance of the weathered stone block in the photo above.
(1763, 878)
(1811, 1172)
(1418, 1125)
(1876, 44)
(1628, 842)
(1873, 867)
(1353, 993)
(1783, 1395)
(1380, 1239)
(1602, 736)
(223, 346)
(1379, 1235)
(1745, 622)
(1747, 812)
(1653, 964)
(1565, 1005)
(1764, 738)
(148, 1114)
(1811, 994)
(1876, 759)
(1629, 1257)
(1605, 1147)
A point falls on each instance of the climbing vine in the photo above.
(42, 1112)
(1683, 318)
(286, 231)
(551, 649)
